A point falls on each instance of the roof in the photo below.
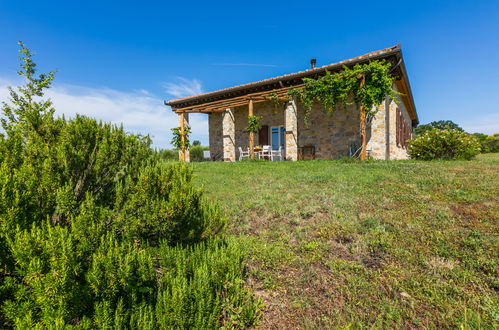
(393, 54)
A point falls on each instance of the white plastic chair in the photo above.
(266, 152)
(243, 154)
(277, 154)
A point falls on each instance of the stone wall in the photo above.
(228, 135)
(216, 135)
(271, 116)
(330, 133)
(334, 135)
(291, 130)
(376, 134)
(394, 151)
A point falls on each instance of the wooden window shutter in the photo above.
(404, 131)
(263, 135)
(397, 127)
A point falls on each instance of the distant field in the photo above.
(383, 244)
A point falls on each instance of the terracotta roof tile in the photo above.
(299, 74)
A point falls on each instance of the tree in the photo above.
(441, 124)
(196, 143)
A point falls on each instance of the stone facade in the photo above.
(382, 142)
(396, 152)
(376, 134)
(228, 135)
(272, 115)
(333, 135)
(216, 135)
(291, 127)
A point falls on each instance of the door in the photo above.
(263, 135)
(277, 136)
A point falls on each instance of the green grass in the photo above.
(375, 244)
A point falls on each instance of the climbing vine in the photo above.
(274, 100)
(366, 85)
(253, 124)
(177, 137)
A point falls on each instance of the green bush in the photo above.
(489, 143)
(444, 144)
(196, 153)
(90, 219)
(168, 155)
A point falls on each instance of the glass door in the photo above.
(277, 137)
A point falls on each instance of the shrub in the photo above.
(88, 214)
(444, 144)
(168, 155)
(489, 143)
(196, 153)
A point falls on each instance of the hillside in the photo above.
(334, 243)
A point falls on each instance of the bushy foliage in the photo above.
(177, 136)
(253, 124)
(89, 215)
(489, 143)
(364, 84)
(441, 124)
(196, 153)
(168, 155)
(443, 144)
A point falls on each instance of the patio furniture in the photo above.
(243, 154)
(266, 152)
(256, 151)
(277, 154)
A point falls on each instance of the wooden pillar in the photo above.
(182, 137)
(183, 120)
(363, 126)
(251, 134)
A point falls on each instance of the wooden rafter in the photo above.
(221, 105)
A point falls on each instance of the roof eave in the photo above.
(299, 75)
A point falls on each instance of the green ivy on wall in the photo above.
(366, 85)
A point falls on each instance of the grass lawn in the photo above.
(383, 244)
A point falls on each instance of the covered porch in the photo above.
(229, 139)
(302, 131)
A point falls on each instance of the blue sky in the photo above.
(119, 60)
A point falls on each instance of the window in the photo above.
(277, 137)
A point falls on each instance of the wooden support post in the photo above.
(182, 137)
(251, 134)
(362, 116)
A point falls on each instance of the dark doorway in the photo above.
(263, 135)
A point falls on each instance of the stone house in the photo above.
(327, 135)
